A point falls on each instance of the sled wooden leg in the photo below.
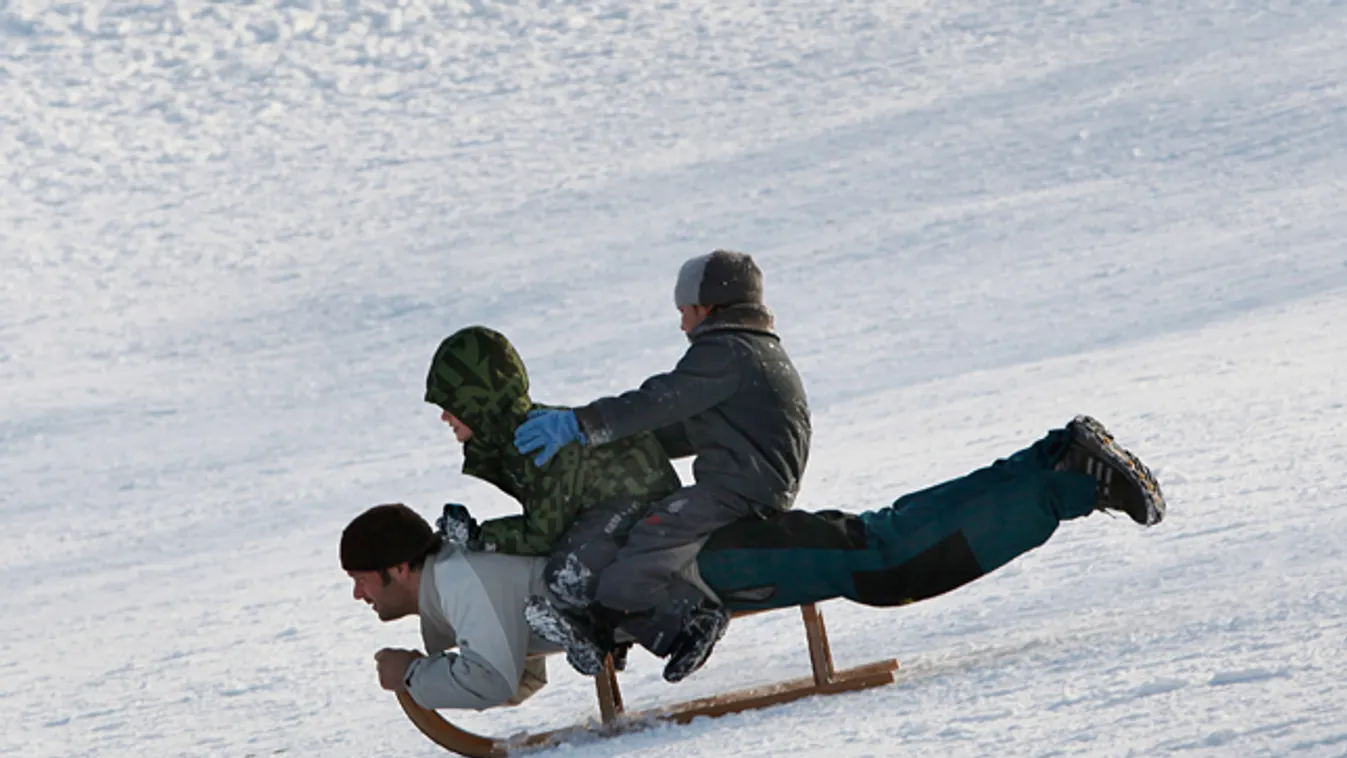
(820, 654)
(610, 695)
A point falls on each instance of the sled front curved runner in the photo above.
(615, 719)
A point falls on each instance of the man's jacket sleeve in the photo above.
(706, 376)
(547, 513)
(462, 679)
(493, 636)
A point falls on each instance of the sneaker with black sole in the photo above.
(690, 651)
(1125, 483)
(566, 632)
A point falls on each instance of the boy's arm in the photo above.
(492, 641)
(705, 377)
(547, 513)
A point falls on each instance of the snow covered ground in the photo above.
(233, 233)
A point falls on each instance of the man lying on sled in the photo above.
(924, 544)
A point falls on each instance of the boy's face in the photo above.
(693, 316)
(462, 432)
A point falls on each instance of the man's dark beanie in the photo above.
(723, 277)
(383, 537)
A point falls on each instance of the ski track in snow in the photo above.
(233, 233)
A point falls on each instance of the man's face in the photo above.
(693, 316)
(390, 599)
(462, 432)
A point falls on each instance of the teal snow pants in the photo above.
(924, 544)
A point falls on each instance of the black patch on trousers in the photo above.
(938, 569)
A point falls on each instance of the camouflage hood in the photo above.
(477, 376)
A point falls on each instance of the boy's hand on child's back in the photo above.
(549, 430)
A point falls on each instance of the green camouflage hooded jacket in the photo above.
(478, 377)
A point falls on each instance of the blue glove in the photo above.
(549, 430)
(458, 526)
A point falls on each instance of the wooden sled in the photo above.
(616, 720)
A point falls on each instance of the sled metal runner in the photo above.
(614, 718)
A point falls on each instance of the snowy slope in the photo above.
(233, 233)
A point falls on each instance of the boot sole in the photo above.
(673, 674)
(1092, 434)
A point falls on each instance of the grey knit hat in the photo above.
(723, 277)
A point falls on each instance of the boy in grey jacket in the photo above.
(736, 402)
(468, 600)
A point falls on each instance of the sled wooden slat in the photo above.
(859, 678)
(825, 680)
(445, 734)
